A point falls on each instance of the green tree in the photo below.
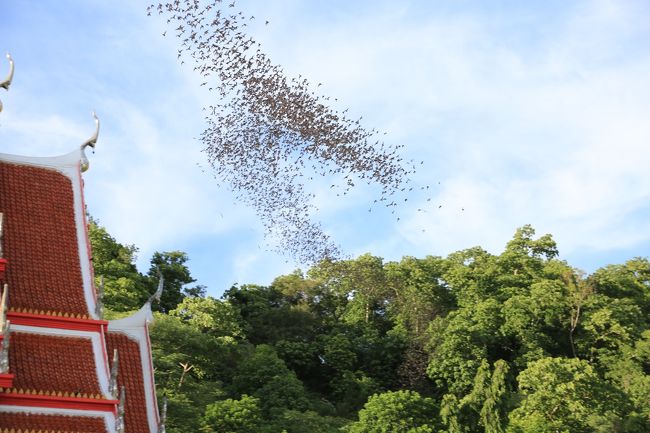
(190, 368)
(566, 395)
(233, 416)
(270, 316)
(293, 421)
(218, 318)
(264, 375)
(419, 292)
(630, 280)
(125, 289)
(629, 368)
(608, 325)
(524, 257)
(485, 408)
(397, 412)
(361, 281)
(172, 266)
(459, 343)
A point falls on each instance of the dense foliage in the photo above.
(519, 342)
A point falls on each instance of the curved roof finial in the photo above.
(4, 348)
(99, 300)
(3, 308)
(119, 420)
(90, 142)
(156, 296)
(112, 386)
(10, 76)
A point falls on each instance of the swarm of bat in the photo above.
(270, 134)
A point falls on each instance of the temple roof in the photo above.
(40, 240)
(130, 336)
(28, 422)
(131, 377)
(56, 364)
(58, 351)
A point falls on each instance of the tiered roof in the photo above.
(28, 422)
(59, 375)
(132, 378)
(71, 372)
(40, 241)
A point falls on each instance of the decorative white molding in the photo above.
(109, 418)
(136, 328)
(70, 166)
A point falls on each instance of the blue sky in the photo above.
(523, 112)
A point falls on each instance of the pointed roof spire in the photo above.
(92, 141)
(10, 76)
(163, 416)
(99, 300)
(119, 421)
(3, 308)
(4, 349)
(156, 296)
(112, 385)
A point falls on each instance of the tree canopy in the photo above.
(519, 342)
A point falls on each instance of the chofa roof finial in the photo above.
(112, 385)
(161, 282)
(90, 142)
(3, 308)
(4, 348)
(7, 81)
(119, 420)
(99, 301)
(163, 416)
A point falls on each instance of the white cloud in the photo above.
(522, 119)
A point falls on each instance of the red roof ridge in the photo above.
(64, 314)
(47, 393)
(13, 430)
(20, 397)
(48, 319)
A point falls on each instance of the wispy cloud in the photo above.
(528, 114)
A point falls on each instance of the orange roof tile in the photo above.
(40, 240)
(130, 376)
(52, 423)
(53, 364)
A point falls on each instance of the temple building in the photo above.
(63, 369)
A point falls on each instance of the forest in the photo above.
(520, 342)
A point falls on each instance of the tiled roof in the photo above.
(130, 376)
(50, 423)
(53, 364)
(40, 240)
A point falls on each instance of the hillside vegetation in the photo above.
(519, 342)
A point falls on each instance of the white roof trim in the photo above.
(94, 337)
(70, 166)
(109, 417)
(135, 327)
(63, 163)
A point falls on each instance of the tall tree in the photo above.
(566, 394)
(125, 289)
(233, 416)
(397, 412)
(172, 266)
(419, 292)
